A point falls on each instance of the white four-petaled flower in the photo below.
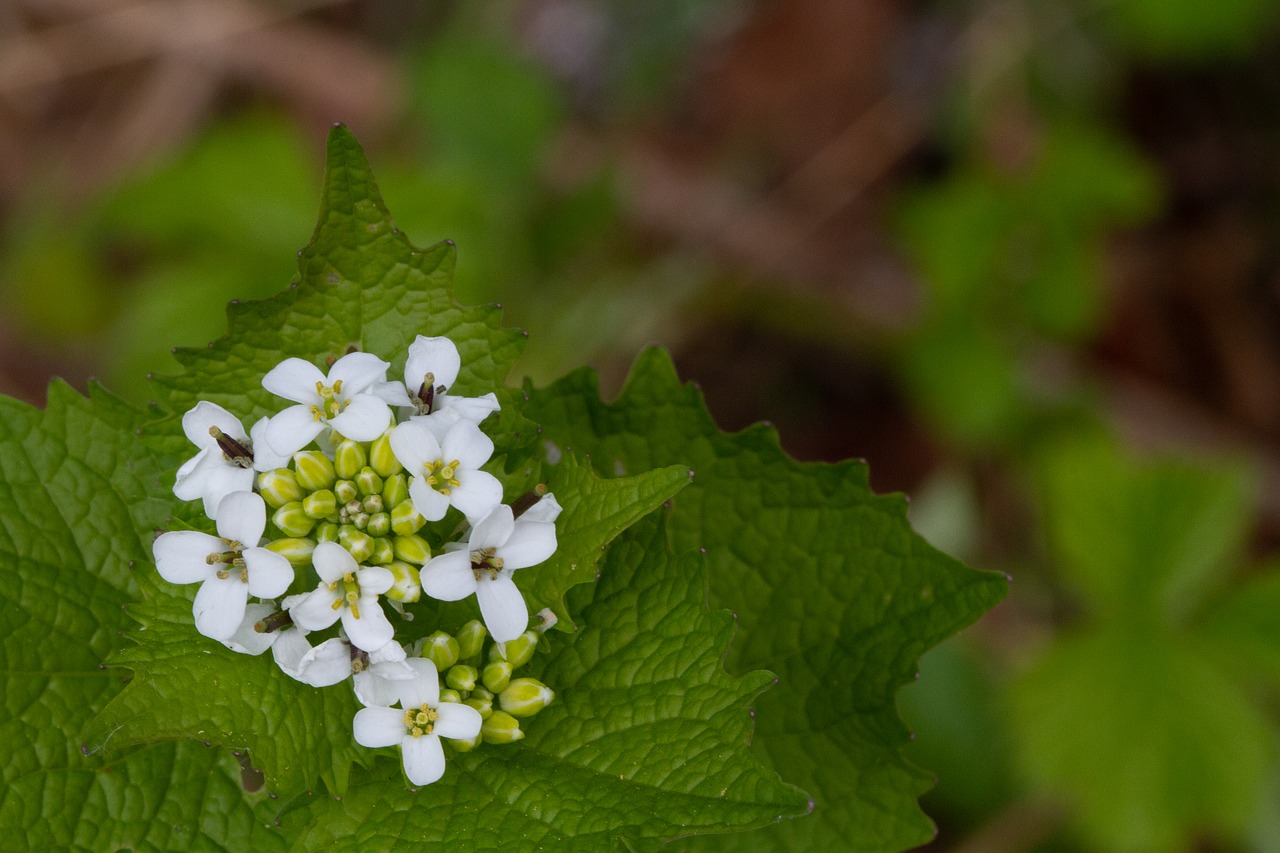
(229, 567)
(447, 472)
(348, 591)
(429, 372)
(499, 544)
(227, 458)
(417, 726)
(343, 400)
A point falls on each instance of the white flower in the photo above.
(429, 372)
(324, 665)
(348, 591)
(418, 724)
(343, 401)
(247, 640)
(378, 683)
(447, 471)
(229, 567)
(498, 546)
(227, 457)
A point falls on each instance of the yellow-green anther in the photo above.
(382, 458)
(345, 491)
(517, 652)
(471, 638)
(321, 504)
(379, 524)
(448, 695)
(412, 549)
(441, 649)
(368, 482)
(406, 587)
(315, 470)
(296, 551)
(279, 487)
(383, 555)
(348, 458)
(500, 727)
(405, 520)
(293, 520)
(359, 543)
(372, 504)
(525, 697)
(464, 745)
(461, 677)
(395, 491)
(326, 531)
(484, 706)
(497, 675)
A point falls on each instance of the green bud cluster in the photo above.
(476, 671)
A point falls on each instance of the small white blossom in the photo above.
(429, 372)
(348, 591)
(447, 472)
(320, 666)
(342, 401)
(229, 567)
(227, 457)
(247, 640)
(499, 544)
(378, 683)
(417, 726)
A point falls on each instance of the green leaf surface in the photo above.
(646, 740)
(833, 591)
(77, 502)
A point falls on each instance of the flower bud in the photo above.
(383, 555)
(345, 491)
(500, 727)
(291, 519)
(395, 491)
(368, 482)
(461, 677)
(497, 675)
(481, 692)
(412, 549)
(405, 520)
(296, 551)
(348, 458)
(449, 695)
(359, 543)
(360, 520)
(471, 639)
(464, 745)
(379, 524)
(382, 458)
(517, 652)
(372, 504)
(407, 587)
(441, 649)
(525, 697)
(320, 504)
(326, 531)
(279, 487)
(314, 469)
(484, 706)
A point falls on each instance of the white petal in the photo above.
(189, 466)
(476, 494)
(457, 721)
(391, 656)
(332, 561)
(423, 688)
(327, 664)
(448, 577)
(264, 458)
(220, 605)
(414, 445)
(466, 443)
(374, 691)
(221, 481)
(196, 423)
(423, 758)
(247, 641)
(438, 423)
(181, 555)
(242, 516)
(358, 371)
(269, 573)
(294, 379)
(371, 631)
(292, 430)
(431, 355)
(474, 409)
(530, 544)
(375, 727)
(546, 509)
(365, 418)
(429, 503)
(503, 608)
(494, 529)
(316, 611)
(289, 648)
(391, 393)
(374, 580)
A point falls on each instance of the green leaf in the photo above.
(646, 740)
(832, 589)
(77, 502)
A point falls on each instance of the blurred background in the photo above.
(1021, 255)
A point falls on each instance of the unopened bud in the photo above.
(471, 639)
(464, 745)
(314, 469)
(461, 677)
(348, 458)
(379, 524)
(441, 649)
(320, 504)
(484, 706)
(279, 487)
(360, 520)
(368, 481)
(326, 531)
(359, 543)
(517, 652)
(293, 520)
(405, 520)
(525, 697)
(482, 692)
(500, 727)
(372, 504)
(395, 491)
(296, 551)
(345, 491)
(412, 549)
(382, 458)
(449, 695)
(383, 555)
(497, 675)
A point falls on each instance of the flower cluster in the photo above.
(361, 497)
